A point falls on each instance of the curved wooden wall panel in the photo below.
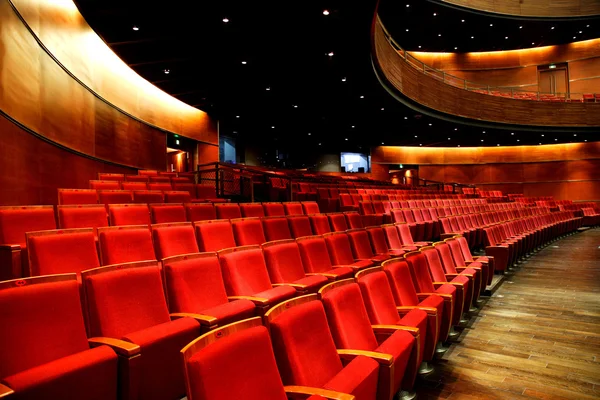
(533, 8)
(437, 95)
(39, 94)
(63, 30)
(33, 169)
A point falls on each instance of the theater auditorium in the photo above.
(370, 200)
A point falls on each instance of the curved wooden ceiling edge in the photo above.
(538, 9)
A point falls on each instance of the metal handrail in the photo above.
(502, 91)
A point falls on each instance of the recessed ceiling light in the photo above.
(462, 20)
(533, 44)
(415, 135)
(382, 108)
(505, 37)
(408, 5)
(352, 126)
(472, 37)
(330, 54)
(325, 12)
(244, 62)
(237, 116)
(585, 140)
(482, 140)
(521, 27)
(430, 124)
(574, 134)
(458, 145)
(483, 132)
(580, 31)
(434, 14)
(498, 144)
(273, 127)
(346, 139)
(556, 140)
(574, 37)
(407, 30)
(382, 143)
(539, 143)
(512, 133)
(405, 117)
(136, 28)
(491, 24)
(226, 20)
(518, 140)
(439, 34)
(448, 138)
(309, 133)
(167, 71)
(542, 135)
(268, 89)
(421, 144)
(552, 28)
(295, 106)
(320, 144)
(362, 97)
(456, 48)
(455, 129)
(344, 79)
(587, 26)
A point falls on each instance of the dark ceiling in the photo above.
(264, 69)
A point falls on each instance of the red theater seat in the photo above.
(293, 208)
(406, 236)
(320, 223)
(127, 302)
(161, 178)
(361, 246)
(276, 228)
(273, 209)
(162, 186)
(310, 207)
(340, 251)
(354, 220)
(214, 235)
(105, 185)
(338, 223)
(299, 226)
(62, 251)
(245, 274)
(134, 186)
(111, 177)
(82, 216)
(45, 352)
(284, 264)
(148, 196)
(136, 178)
(205, 192)
(200, 212)
(173, 239)
(194, 284)
(123, 244)
(315, 259)
(248, 231)
(185, 187)
(228, 211)
(378, 242)
(177, 197)
(316, 362)
(351, 329)
(128, 214)
(115, 196)
(215, 355)
(164, 213)
(252, 210)
(489, 260)
(460, 265)
(14, 223)
(77, 196)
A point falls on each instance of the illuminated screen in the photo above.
(355, 162)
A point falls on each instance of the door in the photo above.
(553, 81)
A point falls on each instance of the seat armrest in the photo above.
(448, 276)
(205, 320)
(328, 276)
(390, 329)
(297, 286)
(438, 284)
(406, 309)
(121, 347)
(259, 301)
(442, 295)
(381, 358)
(10, 255)
(310, 391)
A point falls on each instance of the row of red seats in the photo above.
(93, 196)
(201, 191)
(123, 178)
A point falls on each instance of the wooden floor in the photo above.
(537, 337)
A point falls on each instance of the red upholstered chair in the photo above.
(421, 277)
(338, 222)
(273, 209)
(228, 211)
(316, 362)
(134, 186)
(77, 196)
(252, 210)
(164, 213)
(340, 251)
(392, 238)
(162, 186)
(115, 196)
(361, 246)
(128, 214)
(148, 196)
(200, 212)
(439, 315)
(276, 228)
(194, 284)
(136, 178)
(147, 172)
(293, 208)
(123, 244)
(406, 237)
(320, 223)
(479, 270)
(160, 178)
(105, 185)
(62, 251)
(299, 226)
(173, 239)
(382, 310)
(379, 243)
(43, 343)
(354, 220)
(82, 216)
(185, 187)
(489, 260)
(315, 258)
(111, 177)
(351, 329)
(248, 231)
(310, 207)
(177, 197)
(127, 302)
(183, 179)
(206, 191)
(284, 264)
(15, 221)
(245, 274)
(463, 283)
(214, 369)
(214, 235)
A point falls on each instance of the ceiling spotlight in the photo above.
(521, 27)
(518, 140)
(556, 140)
(416, 136)
(472, 37)
(244, 63)
(421, 144)
(362, 97)
(320, 144)
(542, 135)
(539, 143)
(512, 133)
(498, 144)
(439, 34)
(482, 140)
(505, 37)
(346, 139)
(455, 129)
(382, 109)
(352, 126)
(552, 28)
(574, 37)
(580, 31)
(574, 134)
(344, 79)
(267, 89)
(533, 44)
(325, 12)
(587, 26)
(237, 116)
(309, 133)
(462, 20)
(456, 48)
(448, 138)
(382, 143)
(407, 30)
(419, 46)
(136, 28)
(491, 24)
(226, 20)
(167, 71)
(408, 5)
(430, 124)
(434, 14)
(405, 117)
(295, 106)
(458, 145)
(273, 127)
(483, 132)
(330, 54)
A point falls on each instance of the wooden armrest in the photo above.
(259, 301)
(310, 391)
(428, 310)
(11, 247)
(443, 295)
(206, 320)
(298, 286)
(448, 283)
(5, 391)
(448, 276)
(381, 358)
(328, 276)
(393, 328)
(120, 347)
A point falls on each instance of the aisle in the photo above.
(537, 337)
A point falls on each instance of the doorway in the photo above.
(554, 80)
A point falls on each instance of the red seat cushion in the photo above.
(277, 294)
(313, 282)
(400, 345)
(90, 375)
(233, 311)
(359, 378)
(340, 272)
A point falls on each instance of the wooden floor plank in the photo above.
(537, 337)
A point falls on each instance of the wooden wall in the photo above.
(565, 171)
(534, 8)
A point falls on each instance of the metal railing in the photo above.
(518, 93)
